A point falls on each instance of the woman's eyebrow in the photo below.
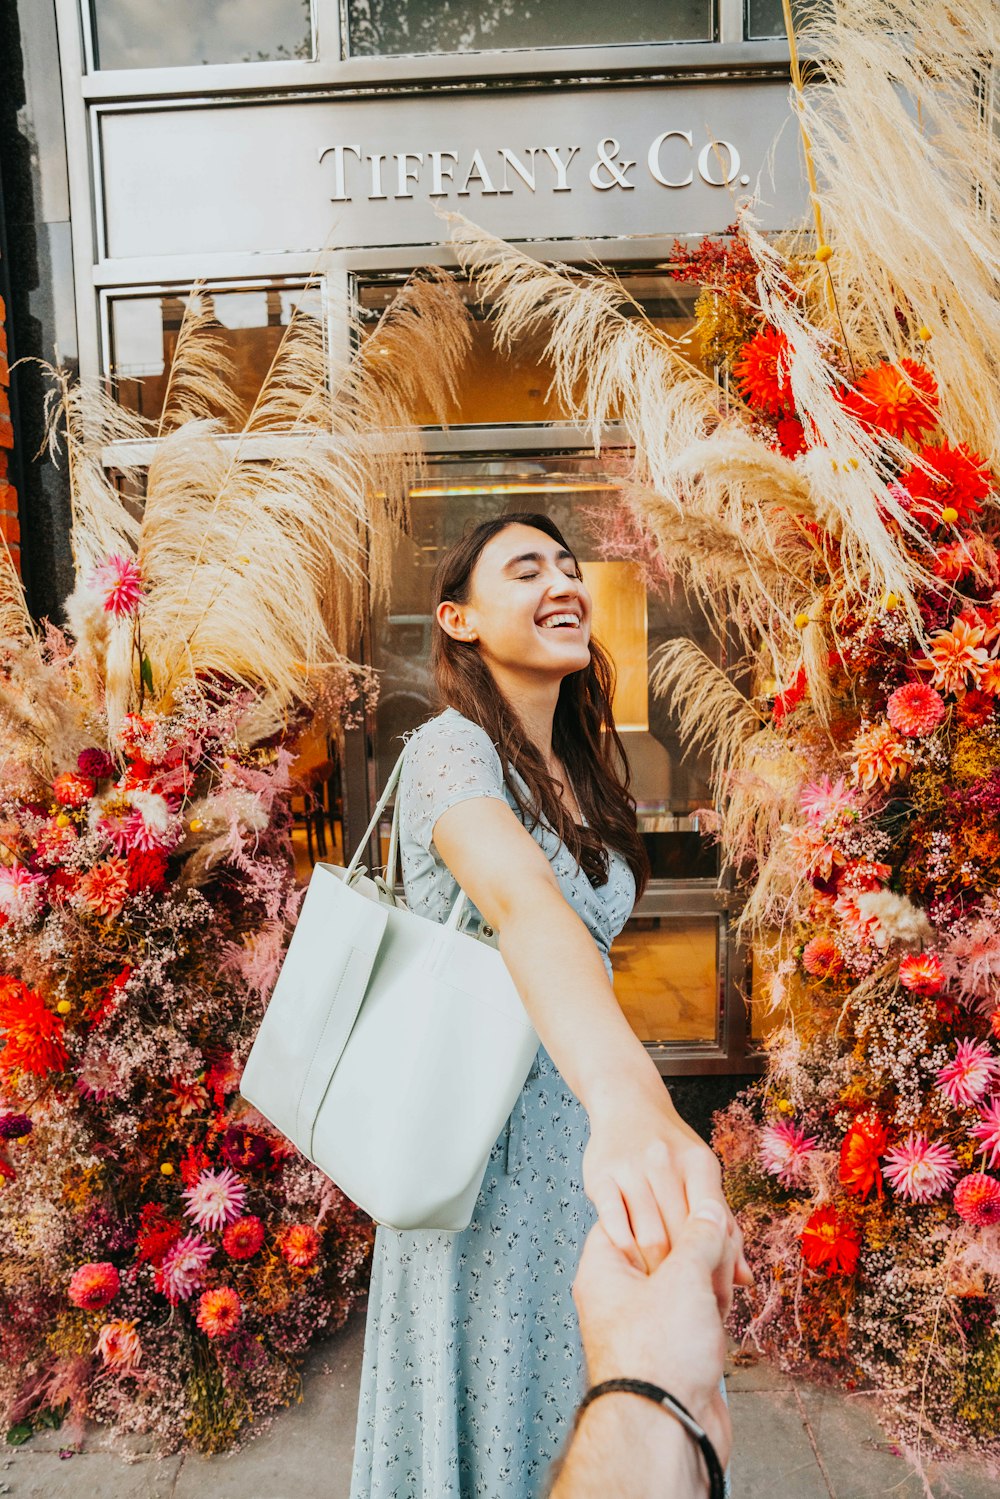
(535, 557)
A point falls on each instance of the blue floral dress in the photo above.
(473, 1365)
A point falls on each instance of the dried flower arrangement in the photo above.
(168, 1257)
(831, 497)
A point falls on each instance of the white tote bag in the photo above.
(393, 1047)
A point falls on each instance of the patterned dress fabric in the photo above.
(472, 1365)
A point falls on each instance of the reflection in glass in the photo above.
(765, 18)
(502, 386)
(149, 34)
(667, 977)
(387, 27)
(144, 335)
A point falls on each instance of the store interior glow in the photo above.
(621, 624)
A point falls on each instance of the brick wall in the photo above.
(10, 527)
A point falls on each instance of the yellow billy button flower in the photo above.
(63, 820)
(924, 333)
(64, 1007)
(949, 515)
(785, 1106)
(824, 253)
(166, 1169)
(196, 824)
(801, 620)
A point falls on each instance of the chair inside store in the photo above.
(317, 801)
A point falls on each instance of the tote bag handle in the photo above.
(461, 900)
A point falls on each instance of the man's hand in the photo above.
(665, 1327)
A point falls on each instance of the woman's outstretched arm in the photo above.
(643, 1164)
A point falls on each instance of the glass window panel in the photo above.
(765, 18)
(667, 978)
(394, 27)
(250, 325)
(151, 34)
(500, 387)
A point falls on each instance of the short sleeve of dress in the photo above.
(450, 759)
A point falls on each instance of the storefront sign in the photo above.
(379, 175)
(302, 175)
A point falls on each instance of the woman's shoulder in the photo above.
(449, 728)
(450, 746)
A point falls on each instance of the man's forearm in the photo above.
(626, 1448)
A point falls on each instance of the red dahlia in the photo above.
(960, 481)
(900, 399)
(761, 372)
(830, 1242)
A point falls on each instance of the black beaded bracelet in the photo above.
(716, 1479)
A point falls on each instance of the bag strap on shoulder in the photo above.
(392, 856)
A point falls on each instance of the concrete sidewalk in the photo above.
(792, 1441)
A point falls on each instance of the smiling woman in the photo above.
(525, 762)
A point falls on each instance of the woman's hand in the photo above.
(642, 1168)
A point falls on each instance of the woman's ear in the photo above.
(452, 621)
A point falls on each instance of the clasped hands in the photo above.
(644, 1169)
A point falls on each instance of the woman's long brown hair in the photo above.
(583, 731)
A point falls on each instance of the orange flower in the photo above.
(821, 958)
(830, 1242)
(105, 887)
(881, 756)
(300, 1245)
(219, 1312)
(900, 399)
(864, 1142)
(957, 657)
(72, 790)
(922, 973)
(761, 372)
(118, 1344)
(33, 1034)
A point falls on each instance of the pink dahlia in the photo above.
(217, 1198)
(783, 1151)
(822, 799)
(219, 1312)
(922, 973)
(243, 1238)
(119, 582)
(300, 1245)
(987, 1132)
(920, 1170)
(977, 1199)
(915, 709)
(21, 892)
(94, 1285)
(965, 1079)
(118, 1344)
(183, 1268)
